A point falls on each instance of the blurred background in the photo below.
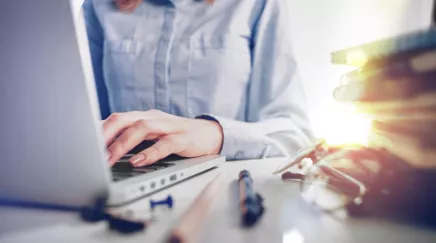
(320, 27)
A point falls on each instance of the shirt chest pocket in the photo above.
(123, 72)
(219, 70)
(119, 57)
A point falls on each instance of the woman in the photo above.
(199, 77)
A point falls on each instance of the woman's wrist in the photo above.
(216, 129)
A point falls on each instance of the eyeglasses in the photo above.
(337, 181)
(314, 152)
(335, 178)
(363, 181)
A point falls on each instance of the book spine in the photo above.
(423, 40)
(398, 68)
(406, 131)
(395, 70)
(406, 149)
(385, 88)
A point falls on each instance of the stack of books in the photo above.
(395, 84)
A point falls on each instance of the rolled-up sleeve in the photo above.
(277, 123)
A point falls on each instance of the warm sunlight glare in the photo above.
(338, 123)
(342, 125)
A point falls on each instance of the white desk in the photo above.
(287, 218)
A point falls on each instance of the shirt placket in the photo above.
(162, 99)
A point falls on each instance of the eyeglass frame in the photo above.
(321, 153)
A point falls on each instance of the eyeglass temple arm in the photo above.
(361, 186)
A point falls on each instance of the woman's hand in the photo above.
(174, 135)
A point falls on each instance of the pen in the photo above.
(251, 203)
(189, 225)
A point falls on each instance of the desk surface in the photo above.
(287, 218)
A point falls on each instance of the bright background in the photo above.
(321, 26)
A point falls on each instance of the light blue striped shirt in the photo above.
(231, 60)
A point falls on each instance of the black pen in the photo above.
(251, 203)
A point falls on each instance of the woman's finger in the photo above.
(164, 147)
(132, 136)
(114, 125)
(163, 123)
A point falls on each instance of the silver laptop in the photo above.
(52, 149)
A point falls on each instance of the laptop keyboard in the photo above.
(123, 169)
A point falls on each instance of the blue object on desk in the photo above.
(125, 226)
(168, 201)
(92, 213)
(96, 212)
(251, 203)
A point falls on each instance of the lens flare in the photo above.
(341, 125)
